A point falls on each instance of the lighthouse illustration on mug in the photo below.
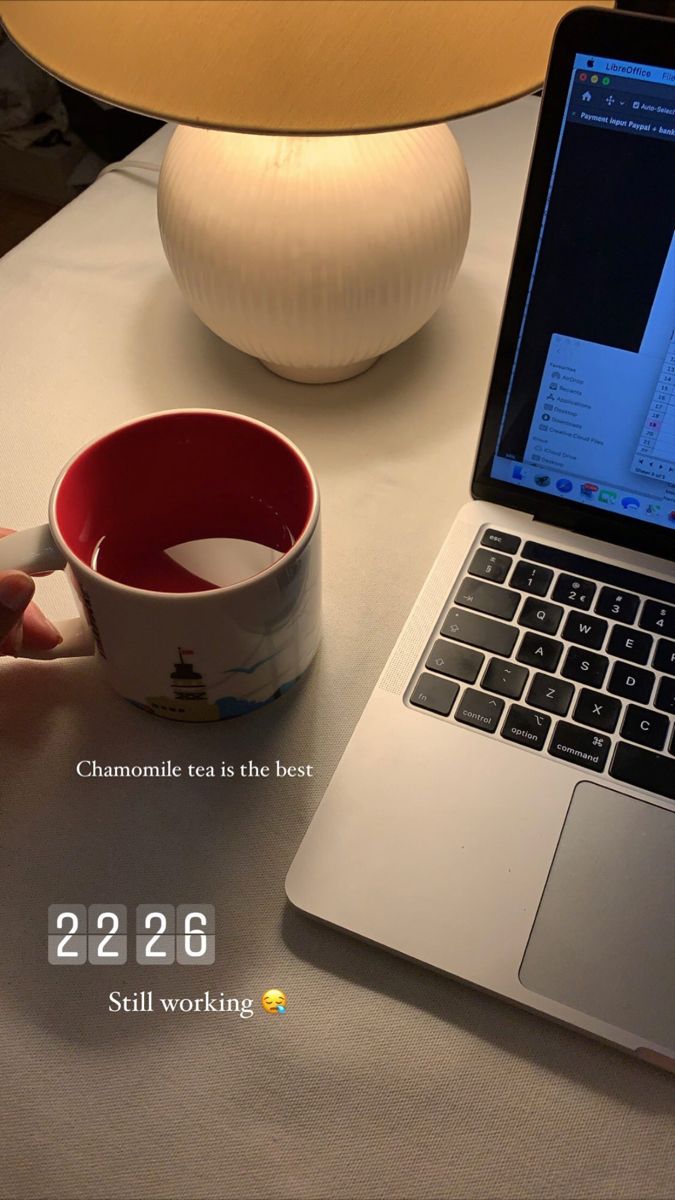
(189, 697)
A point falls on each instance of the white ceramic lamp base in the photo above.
(315, 254)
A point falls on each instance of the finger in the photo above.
(16, 592)
(34, 632)
(38, 631)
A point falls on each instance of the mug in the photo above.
(171, 639)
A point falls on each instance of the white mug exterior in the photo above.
(191, 656)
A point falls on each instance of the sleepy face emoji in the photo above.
(274, 1001)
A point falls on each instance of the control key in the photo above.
(480, 710)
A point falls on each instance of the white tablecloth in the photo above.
(382, 1079)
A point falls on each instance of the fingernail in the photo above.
(39, 620)
(16, 591)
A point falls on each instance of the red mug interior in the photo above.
(177, 478)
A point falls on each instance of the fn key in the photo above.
(434, 694)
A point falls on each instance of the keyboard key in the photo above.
(571, 590)
(457, 661)
(553, 695)
(664, 659)
(597, 709)
(644, 726)
(665, 696)
(585, 666)
(505, 678)
(525, 727)
(630, 644)
(486, 598)
(488, 565)
(538, 651)
(539, 614)
(478, 709)
(643, 769)
(435, 694)
(580, 746)
(528, 577)
(585, 631)
(631, 682)
(658, 618)
(468, 627)
(621, 606)
(603, 572)
(494, 539)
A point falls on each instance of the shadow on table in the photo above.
(136, 842)
(408, 398)
(68, 840)
(511, 1029)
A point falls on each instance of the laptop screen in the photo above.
(590, 404)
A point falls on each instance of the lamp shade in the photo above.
(293, 66)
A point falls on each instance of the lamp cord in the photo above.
(129, 163)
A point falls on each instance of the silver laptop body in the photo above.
(505, 809)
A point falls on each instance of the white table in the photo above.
(382, 1079)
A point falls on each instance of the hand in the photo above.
(22, 623)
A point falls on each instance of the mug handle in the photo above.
(34, 551)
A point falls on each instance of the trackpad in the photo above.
(602, 941)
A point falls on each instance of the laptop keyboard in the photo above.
(561, 654)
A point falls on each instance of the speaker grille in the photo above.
(396, 675)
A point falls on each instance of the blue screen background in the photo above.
(590, 411)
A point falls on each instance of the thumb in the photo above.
(16, 592)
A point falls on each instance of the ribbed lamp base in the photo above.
(314, 254)
(320, 374)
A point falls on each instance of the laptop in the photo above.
(505, 809)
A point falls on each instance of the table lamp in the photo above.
(313, 205)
